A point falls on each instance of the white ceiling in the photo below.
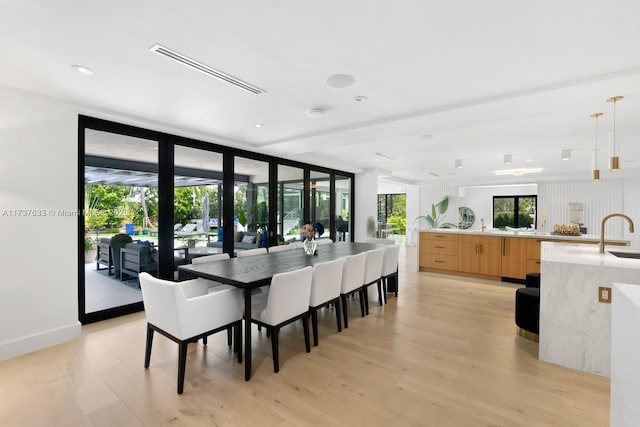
(444, 80)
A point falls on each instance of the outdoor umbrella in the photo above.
(205, 219)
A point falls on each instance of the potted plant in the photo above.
(89, 250)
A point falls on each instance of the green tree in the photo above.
(104, 202)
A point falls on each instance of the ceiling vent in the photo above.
(199, 66)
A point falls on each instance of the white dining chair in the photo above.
(280, 248)
(321, 242)
(211, 284)
(390, 268)
(209, 258)
(325, 289)
(185, 312)
(286, 301)
(373, 274)
(380, 241)
(352, 279)
(251, 252)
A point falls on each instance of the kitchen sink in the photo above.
(622, 254)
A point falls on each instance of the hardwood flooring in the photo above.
(444, 353)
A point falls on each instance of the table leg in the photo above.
(247, 334)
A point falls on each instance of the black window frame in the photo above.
(516, 208)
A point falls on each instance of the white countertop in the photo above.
(588, 255)
(528, 234)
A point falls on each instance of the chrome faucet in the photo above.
(605, 220)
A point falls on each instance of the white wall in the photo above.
(480, 200)
(632, 208)
(599, 198)
(366, 203)
(38, 170)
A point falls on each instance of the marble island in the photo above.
(575, 328)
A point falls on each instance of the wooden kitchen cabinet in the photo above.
(514, 258)
(479, 255)
(439, 251)
(533, 255)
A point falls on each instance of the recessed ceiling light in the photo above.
(316, 112)
(340, 81)
(360, 98)
(82, 69)
(259, 125)
(529, 160)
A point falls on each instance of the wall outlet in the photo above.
(604, 294)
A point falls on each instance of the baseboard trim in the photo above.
(29, 343)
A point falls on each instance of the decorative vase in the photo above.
(309, 246)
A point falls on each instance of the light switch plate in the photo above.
(604, 294)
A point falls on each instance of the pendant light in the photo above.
(594, 157)
(614, 160)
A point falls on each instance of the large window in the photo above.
(515, 211)
(392, 213)
(178, 198)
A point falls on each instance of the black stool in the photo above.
(528, 311)
(533, 280)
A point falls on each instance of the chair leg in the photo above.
(305, 327)
(380, 292)
(182, 364)
(237, 347)
(274, 349)
(204, 340)
(384, 289)
(344, 310)
(147, 353)
(364, 300)
(314, 325)
(337, 303)
(229, 336)
(397, 283)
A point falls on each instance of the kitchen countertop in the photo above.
(588, 255)
(590, 238)
(575, 326)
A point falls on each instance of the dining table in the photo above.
(252, 272)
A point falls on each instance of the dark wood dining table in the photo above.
(252, 272)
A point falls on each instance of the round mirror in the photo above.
(466, 217)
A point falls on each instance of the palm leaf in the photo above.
(443, 204)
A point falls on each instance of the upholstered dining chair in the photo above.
(373, 274)
(209, 258)
(212, 284)
(251, 252)
(281, 248)
(390, 269)
(352, 280)
(186, 311)
(325, 289)
(380, 241)
(286, 302)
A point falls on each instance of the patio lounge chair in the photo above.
(187, 231)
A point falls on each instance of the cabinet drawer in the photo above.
(442, 262)
(439, 237)
(533, 249)
(440, 247)
(533, 266)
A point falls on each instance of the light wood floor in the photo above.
(444, 353)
